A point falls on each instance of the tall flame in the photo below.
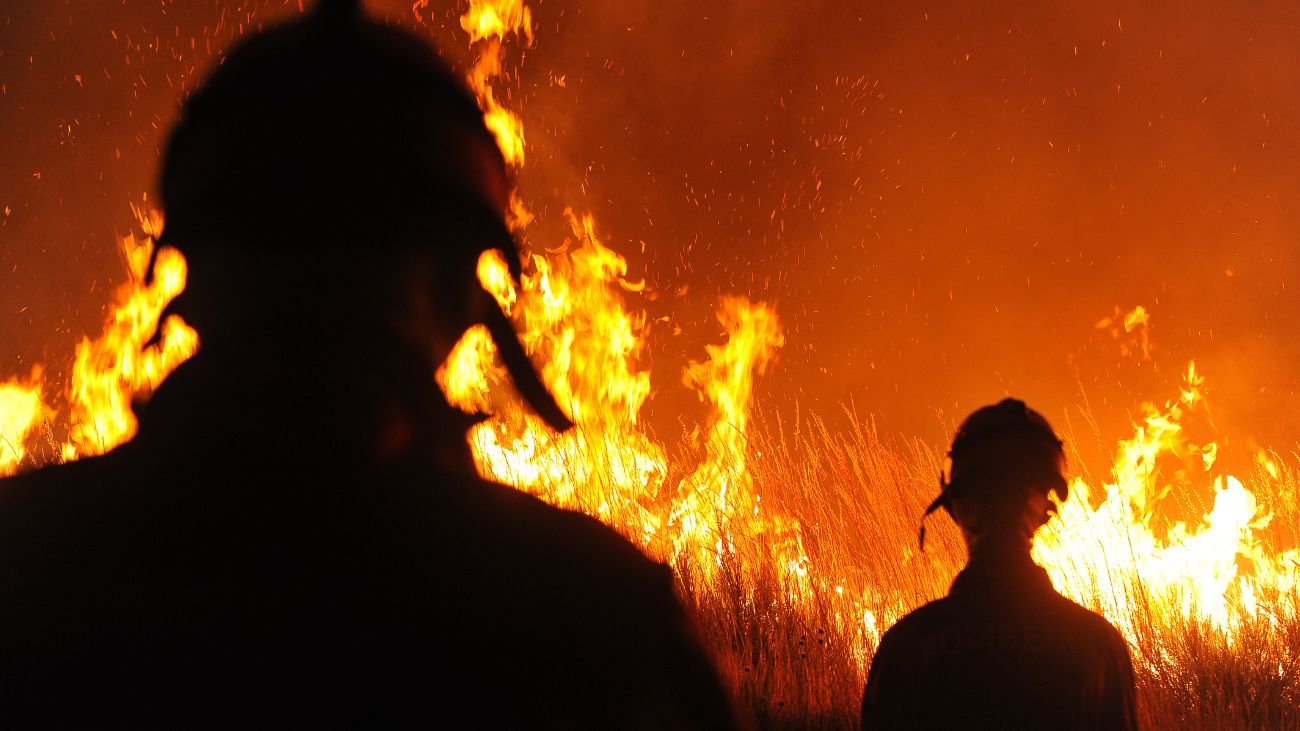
(573, 317)
(120, 365)
(1114, 556)
(718, 501)
(123, 363)
(490, 21)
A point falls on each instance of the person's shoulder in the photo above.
(900, 658)
(920, 622)
(17, 486)
(60, 489)
(54, 509)
(570, 537)
(1088, 626)
(925, 615)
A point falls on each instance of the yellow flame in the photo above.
(718, 500)
(1120, 554)
(21, 411)
(574, 321)
(488, 22)
(496, 19)
(120, 364)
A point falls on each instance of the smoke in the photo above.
(940, 199)
(943, 199)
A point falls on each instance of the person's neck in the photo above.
(288, 389)
(1000, 548)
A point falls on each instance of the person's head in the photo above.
(1006, 462)
(333, 178)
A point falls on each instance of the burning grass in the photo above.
(795, 640)
(794, 541)
(794, 649)
(796, 657)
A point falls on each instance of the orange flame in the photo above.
(21, 410)
(491, 21)
(1113, 556)
(115, 368)
(120, 365)
(573, 319)
(718, 500)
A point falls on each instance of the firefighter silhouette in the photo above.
(297, 536)
(1003, 650)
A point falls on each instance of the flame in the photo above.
(718, 498)
(21, 410)
(486, 19)
(1119, 554)
(576, 320)
(1133, 323)
(1115, 557)
(573, 318)
(489, 22)
(120, 365)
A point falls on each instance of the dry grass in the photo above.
(795, 651)
(796, 655)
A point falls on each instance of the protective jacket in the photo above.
(1002, 651)
(247, 562)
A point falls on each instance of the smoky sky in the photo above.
(941, 199)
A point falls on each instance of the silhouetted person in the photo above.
(1003, 650)
(297, 536)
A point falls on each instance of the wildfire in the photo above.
(574, 319)
(1112, 547)
(116, 367)
(122, 364)
(491, 21)
(1112, 555)
(21, 410)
